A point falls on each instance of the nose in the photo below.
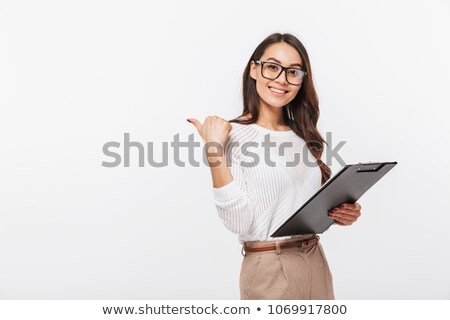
(282, 78)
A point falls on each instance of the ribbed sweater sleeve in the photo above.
(231, 200)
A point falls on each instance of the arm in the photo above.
(229, 188)
(230, 191)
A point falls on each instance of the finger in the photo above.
(343, 221)
(349, 212)
(352, 212)
(352, 206)
(344, 216)
(196, 124)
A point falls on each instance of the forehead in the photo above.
(283, 52)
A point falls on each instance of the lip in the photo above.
(276, 93)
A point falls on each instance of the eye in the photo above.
(296, 72)
(273, 67)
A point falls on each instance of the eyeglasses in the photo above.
(272, 70)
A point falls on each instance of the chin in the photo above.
(276, 103)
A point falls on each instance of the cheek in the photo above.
(261, 88)
(293, 94)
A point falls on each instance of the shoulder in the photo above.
(238, 136)
(242, 132)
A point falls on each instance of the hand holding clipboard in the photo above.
(348, 185)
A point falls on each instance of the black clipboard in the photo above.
(348, 185)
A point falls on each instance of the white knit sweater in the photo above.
(261, 197)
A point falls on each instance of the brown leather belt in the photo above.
(298, 243)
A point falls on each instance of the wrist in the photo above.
(215, 161)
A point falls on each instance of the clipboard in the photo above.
(348, 185)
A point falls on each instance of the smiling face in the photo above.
(276, 93)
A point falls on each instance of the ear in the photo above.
(253, 70)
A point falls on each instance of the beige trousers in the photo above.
(296, 273)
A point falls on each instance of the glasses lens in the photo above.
(271, 70)
(295, 76)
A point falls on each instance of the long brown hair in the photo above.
(304, 107)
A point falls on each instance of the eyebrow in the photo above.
(294, 64)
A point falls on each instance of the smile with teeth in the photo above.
(277, 91)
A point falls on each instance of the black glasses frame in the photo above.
(282, 69)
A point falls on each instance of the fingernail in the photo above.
(188, 120)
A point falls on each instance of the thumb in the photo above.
(196, 124)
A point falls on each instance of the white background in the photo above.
(77, 74)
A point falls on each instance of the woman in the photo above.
(256, 190)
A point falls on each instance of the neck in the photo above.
(271, 118)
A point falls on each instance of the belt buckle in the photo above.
(243, 250)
